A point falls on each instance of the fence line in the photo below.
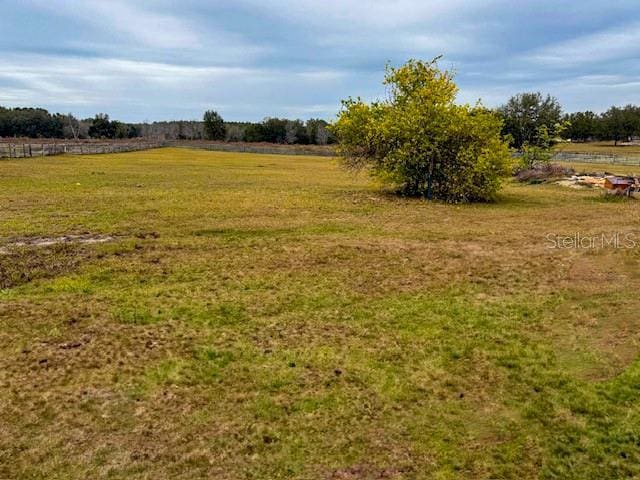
(596, 158)
(25, 150)
(245, 147)
(36, 149)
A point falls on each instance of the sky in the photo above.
(148, 60)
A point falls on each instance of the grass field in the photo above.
(614, 169)
(604, 148)
(259, 317)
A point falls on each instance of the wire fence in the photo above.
(268, 148)
(30, 148)
(596, 158)
(37, 149)
(26, 149)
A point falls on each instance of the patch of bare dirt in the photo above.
(26, 265)
(50, 241)
(361, 472)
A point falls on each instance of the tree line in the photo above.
(32, 122)
(271, 130)
(523, 116)
(39, 123)
(617, 124)
(529, 118)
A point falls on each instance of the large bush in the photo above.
(421, 141)
(526, 114)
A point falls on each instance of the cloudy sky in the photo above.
(166, 59)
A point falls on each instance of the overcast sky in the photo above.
(248, 59)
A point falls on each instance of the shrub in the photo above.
(421, 141)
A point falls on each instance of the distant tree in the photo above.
(539, 153)
(83, 127)
(120, 130)
(275, 130)
(124, 130)
(296, 132)
(581, 126)
(172, 130)
(132, 131)
(102, 127)
(421, 141)
(323, 136)
(71, 127)
(235, 132)
(620, 123)
(612, 124)
(255, 132)
(630, 122)
(291, 132)
(4, 122)
(525, 113)
(30, 122)
(214, 128)
(318, 133)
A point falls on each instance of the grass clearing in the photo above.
(605, 148)
(614, 169)
(262, 316)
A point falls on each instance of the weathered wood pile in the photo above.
(620, 185)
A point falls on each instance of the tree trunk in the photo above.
(430, 181)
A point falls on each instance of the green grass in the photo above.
(589, 168)
(604, 148)
(263, 316)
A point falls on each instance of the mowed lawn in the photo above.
(259, 317)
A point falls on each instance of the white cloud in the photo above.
(366, 28)
(162, 58)
(607, 45)
(313, 109)
(575, 92)
(322, 75)
(69, 81)
(144, 29)
(119, 17)
(357, 14)
(116, 85)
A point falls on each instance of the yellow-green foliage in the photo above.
(421, 141)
